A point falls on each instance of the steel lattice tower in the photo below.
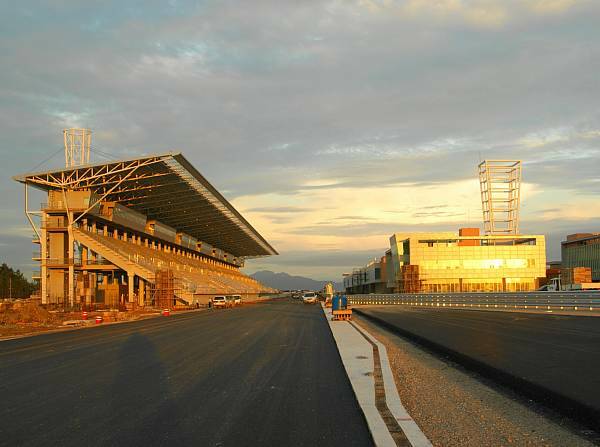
(77, 146)
(500, 184)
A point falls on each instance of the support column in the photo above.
(130, 278)
(85, 274)
(44, 261)
(71, 260)
(142, 292)
(93, 279)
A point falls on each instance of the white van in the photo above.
(219, 301)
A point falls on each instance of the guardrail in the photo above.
(578, 301)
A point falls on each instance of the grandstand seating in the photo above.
(193, 276)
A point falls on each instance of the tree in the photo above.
(14, 284)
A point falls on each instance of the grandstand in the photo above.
(149, 231)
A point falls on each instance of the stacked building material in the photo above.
(164, 289)
(576, 275)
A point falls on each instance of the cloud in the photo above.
(278, 209)
(483, 14)
(364, 115)
(438, 214)
(361, 218)
(552, 6)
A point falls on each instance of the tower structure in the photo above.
(77, 146)
(500, 185)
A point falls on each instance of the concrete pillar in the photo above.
(94, 276)
(116, 233)
(142, 292)
(105, 230)
(130, 278)
(84, 261)
(43, 262)
(71, 256)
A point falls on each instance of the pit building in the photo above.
(462, 261)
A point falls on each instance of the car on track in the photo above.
(237, 300)
(309, 298)
(219, 301)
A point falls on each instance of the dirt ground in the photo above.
(21, 318)
(454, 407)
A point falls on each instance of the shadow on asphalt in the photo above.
(140, 395)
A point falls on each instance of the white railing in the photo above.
(583, 301)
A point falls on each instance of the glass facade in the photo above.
(371, 278)
(445, 262)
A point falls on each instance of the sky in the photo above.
(329, 125)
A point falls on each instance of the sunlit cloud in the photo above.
(553, 6)
(329, 125)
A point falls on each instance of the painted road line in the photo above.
(358, 357)
(410, 428)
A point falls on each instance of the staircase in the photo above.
(120, 260)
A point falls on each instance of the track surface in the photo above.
(267, 374)
(555, 358)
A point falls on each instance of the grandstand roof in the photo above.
(165, 187)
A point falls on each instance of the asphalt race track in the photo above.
(266, 374)
(552, 358)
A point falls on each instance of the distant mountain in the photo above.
(283, 281)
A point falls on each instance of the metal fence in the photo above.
(579, 301)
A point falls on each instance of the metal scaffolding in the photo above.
(500, 185)
(163, 290)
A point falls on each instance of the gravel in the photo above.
(455, 407)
